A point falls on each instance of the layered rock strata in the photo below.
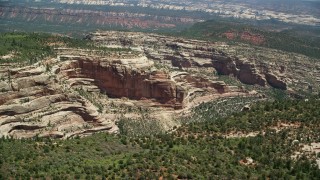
(81, 91)
(184, 54)
(33, 103)
(118, 80)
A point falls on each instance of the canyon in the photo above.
(81, 17)
(93, 18)
(299, 12)
(81, 91)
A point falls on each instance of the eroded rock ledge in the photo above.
(81, 91)
(118, 80)
(184, 54)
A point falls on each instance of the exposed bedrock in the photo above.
(34, 105)
(121, 81)
(247, 74)
(275, 82)
(188, 53)
(244, 71)
(203, 83)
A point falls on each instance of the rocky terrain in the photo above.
(82, 16)
(300, 73)
(299, 12)
(82, 91)
(256, 39)
(90, 17)
(249, 64)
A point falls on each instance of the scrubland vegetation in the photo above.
(200, 149)
(218, 140)
(291, 40)
(29, 48)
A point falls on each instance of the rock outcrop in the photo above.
(87, 91)
(244, 71)
(275, 82)
(185, 54)
(83, 17)
(33, 103)
(118, 80)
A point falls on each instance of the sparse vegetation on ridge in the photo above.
(29, 48)
(21, 47)
(289, 40)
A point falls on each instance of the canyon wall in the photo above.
(90, 17)
(121, 81)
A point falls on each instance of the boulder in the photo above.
(246, 108)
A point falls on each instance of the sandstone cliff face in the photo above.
(185, 54)
(33, 103)
(275, 82)
(92, 17)
(87, 91)
(198, 82)
(244, 71)
(249, 75)
(121, 81)
(224, 65)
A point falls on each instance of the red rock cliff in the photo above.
(120, 81)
